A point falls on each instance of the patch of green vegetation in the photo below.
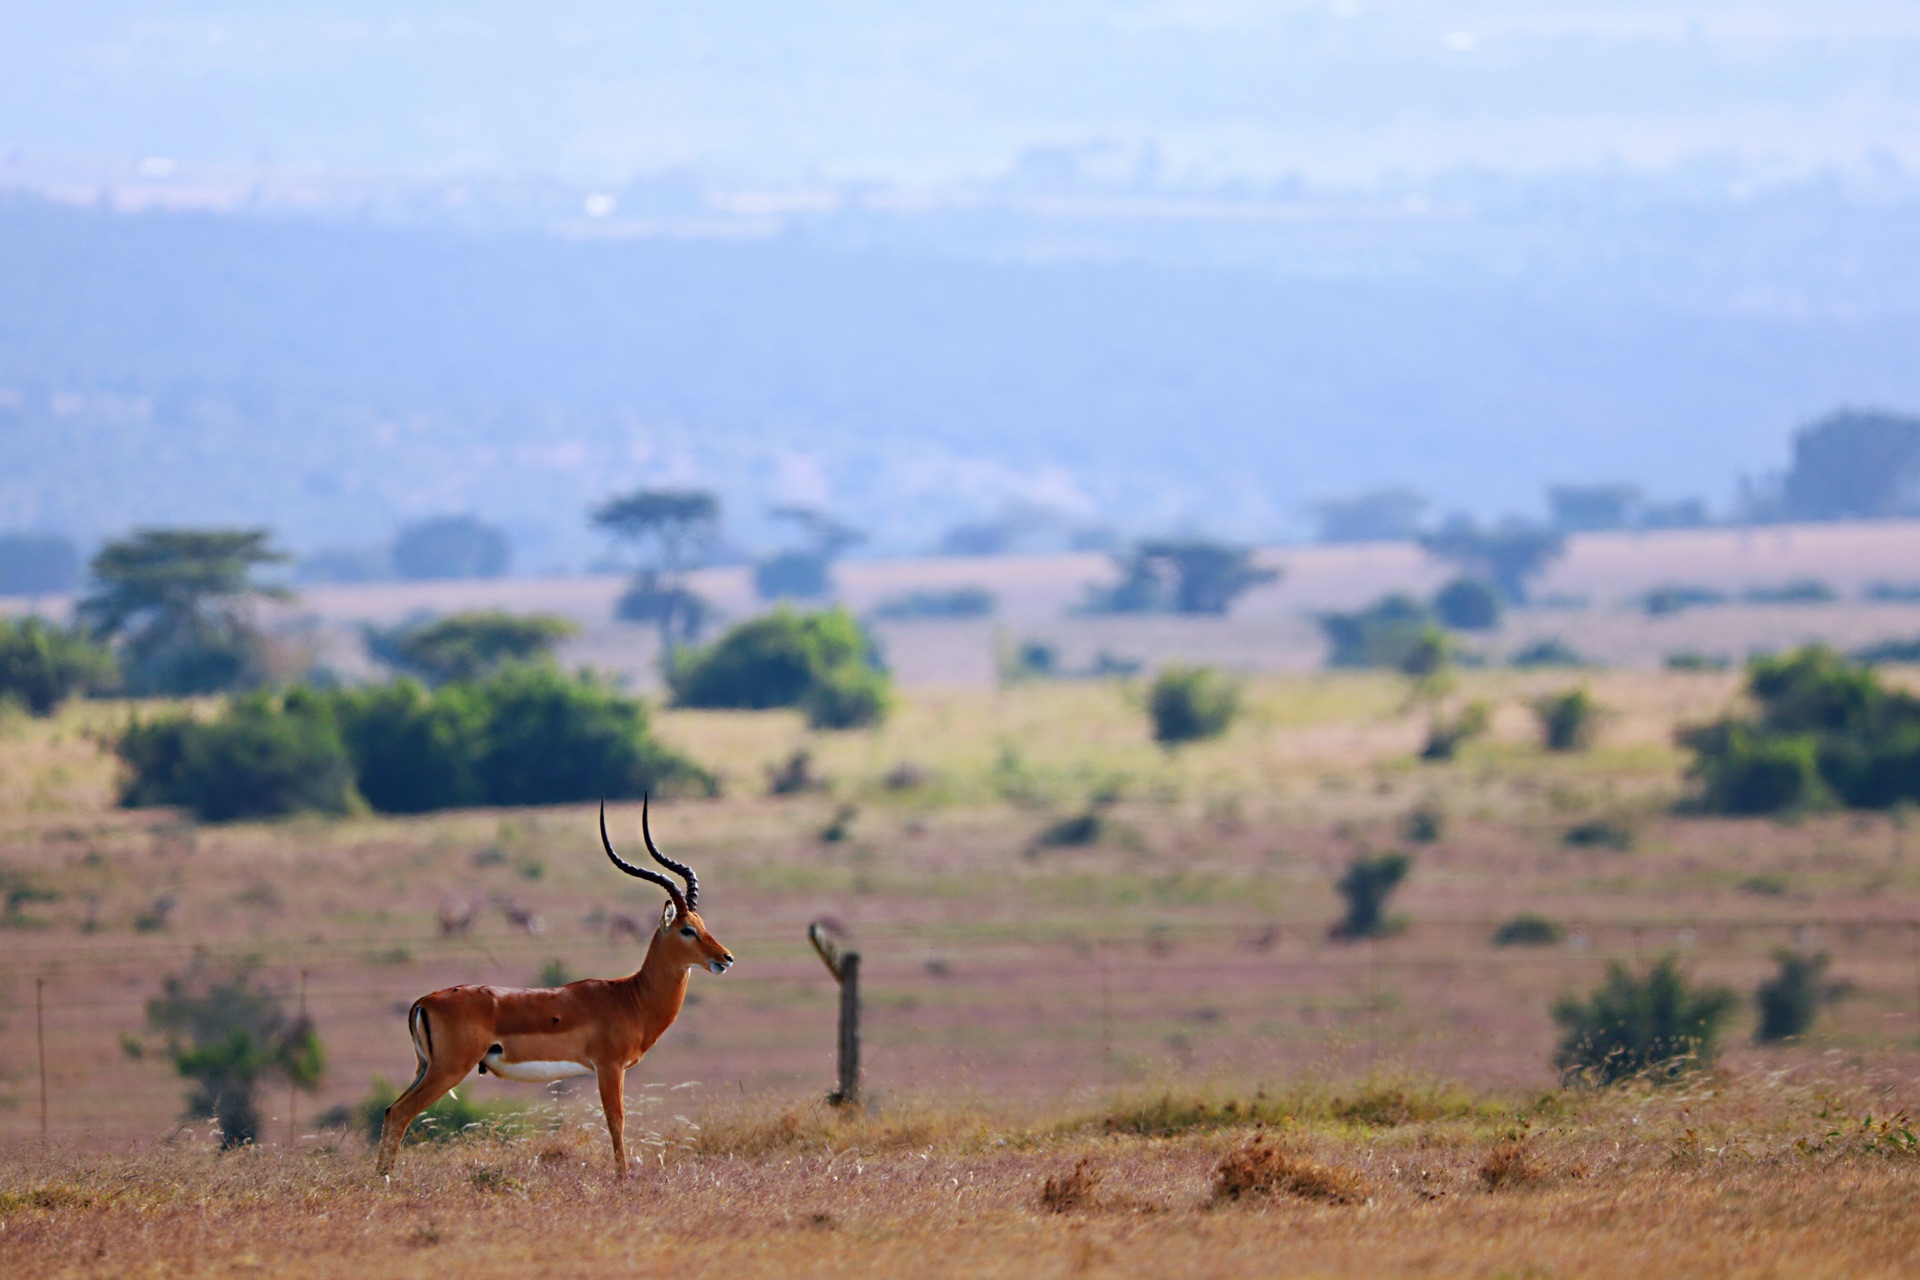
(1827, 732)
(450, 1117)
(1529, 929)
(1599, 833)
(1374, 1105)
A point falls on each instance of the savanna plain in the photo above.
(1109, 1026)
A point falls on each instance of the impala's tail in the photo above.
(422, 1039)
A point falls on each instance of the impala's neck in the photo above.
(660, 985)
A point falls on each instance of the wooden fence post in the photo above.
(829, 939)
(40, 1042)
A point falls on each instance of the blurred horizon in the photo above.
(1155, 267)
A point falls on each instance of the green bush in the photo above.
(1657, 1024)
(228, 1033)
(1366, 885)
(42, 665)
(1447, 734)
(1425, 823)
(1528, 929)
(1549, 652)
(450, 1116)
(526, 735)
(779, 660)
(552, 739)
(1826, 731)
(1599, 833)
(847, 697)
(1383, 634)
(1187, 704)
(261, 757)
(1568, 721)
(1468, 604)
(1791, 999)
(414, 750)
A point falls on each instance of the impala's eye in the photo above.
(686, 931)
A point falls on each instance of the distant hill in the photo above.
(334, 378)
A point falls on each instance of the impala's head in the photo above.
(682, 933)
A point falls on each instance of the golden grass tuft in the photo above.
(1074, 1189)
(1261, 1169)
(1508, 1164)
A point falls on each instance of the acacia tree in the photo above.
(805, 572)
(669, 529)
(1508, 555)
(178, 603)
(1182, 575)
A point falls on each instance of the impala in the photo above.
(593, 1027)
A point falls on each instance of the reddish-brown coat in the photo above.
(603, 1025)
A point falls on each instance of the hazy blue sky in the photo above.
(771, 91)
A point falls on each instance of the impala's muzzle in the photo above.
(721, 965)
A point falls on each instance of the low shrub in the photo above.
(1074, 1189)
(1260, 1169)
(1508, 1164)
(1188, 704)
(413, 750)
(1468, 604)
(1889, 652)
(794, 775)
(1425, 823)
(1693, 660)
(1671, 599)
(1528, 929)
(1568, 721)
(449, 1117)
(263, 756)
(1656, 1024)
(1383, 634)
(1790, 1000)
(1599, 833)
(959, 602)
(42, 665)
(1826, 732)
(848, 697)
(782, 660)
(1550, 652)
(554, 739)
(1366, 885)
(1798, 591)
(526, 735)
(1447, 734)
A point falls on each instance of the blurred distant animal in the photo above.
(521, 918)
(619, 926)
(456, 919)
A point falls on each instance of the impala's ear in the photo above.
(666, 914)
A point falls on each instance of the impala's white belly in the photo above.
(532, 1072)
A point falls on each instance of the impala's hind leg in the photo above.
(434, 1078)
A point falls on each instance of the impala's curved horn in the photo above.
(681, 905)
(680, 869)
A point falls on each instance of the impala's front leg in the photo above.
(613, 1101)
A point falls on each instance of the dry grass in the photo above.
(1135, 1011)
(1728, 1176)
(1071, 1190)
(1261, 1168)
(1508, 1164)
